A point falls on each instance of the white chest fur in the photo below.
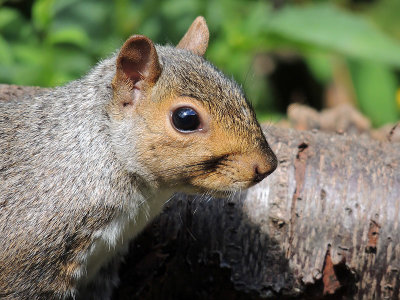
(114, 239)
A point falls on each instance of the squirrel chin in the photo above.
(193, 190)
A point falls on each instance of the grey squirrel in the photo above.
(84, 167)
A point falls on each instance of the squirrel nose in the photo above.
(263, 170)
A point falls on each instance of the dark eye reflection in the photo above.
(185, 119)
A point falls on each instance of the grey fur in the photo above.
(68, 170)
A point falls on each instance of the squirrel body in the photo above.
(84, 167)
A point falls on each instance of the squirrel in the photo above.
(84, 167)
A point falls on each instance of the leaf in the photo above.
(327, 26)
(376, 87)
(71, 35)
(42, 14)
(6, 56)
(320, 64)
(59, 6)
(7, 16)
(30, 54)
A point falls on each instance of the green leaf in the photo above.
(59, 6)
(320, 64)
(376, 87)
(71, 35)
(30, 54)
(42, 14)
(327, 26)
(6, 56)
(7, 16)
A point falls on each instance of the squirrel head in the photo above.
(180, 122)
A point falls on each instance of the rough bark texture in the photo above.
(324, 225)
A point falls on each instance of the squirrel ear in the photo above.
(138, 62)
(196, 38)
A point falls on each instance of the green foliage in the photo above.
(42, 14)
(336, 30)
(354, 37)
(376, 85)
(61, 40)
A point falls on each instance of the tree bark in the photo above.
(324, 225)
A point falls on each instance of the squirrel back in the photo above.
(84, 167)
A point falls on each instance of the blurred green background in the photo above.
(320, 53)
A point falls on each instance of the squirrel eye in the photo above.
(185, 119)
